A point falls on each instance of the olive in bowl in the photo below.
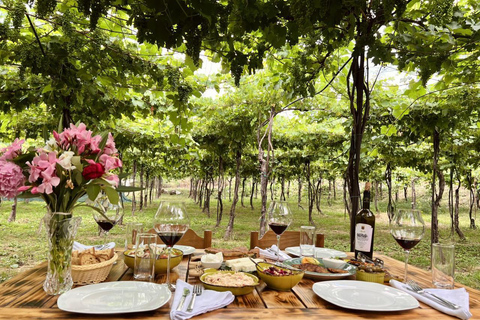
(278, 278)
(161, 261)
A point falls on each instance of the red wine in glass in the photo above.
(407, 244)
(407, 228)
(106, 225)
(280, 218)
(170, 223)
(170, 238)
(278, 228)
(106, 214)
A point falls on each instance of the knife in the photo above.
(186, 292)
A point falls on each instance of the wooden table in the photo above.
(22, 297)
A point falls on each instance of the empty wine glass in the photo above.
(170, 222)
(407, 228)
(280, 218)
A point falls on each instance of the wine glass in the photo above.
(407, 228)
(170, 222)
(280, 218)
(107, 214)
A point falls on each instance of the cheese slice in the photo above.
(242, 264)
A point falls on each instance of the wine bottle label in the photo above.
(363, 237)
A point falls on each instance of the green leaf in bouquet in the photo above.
(124, 175)
(77, 162)
(112, 195)
(77, 176)
(28, 195)
(102, 144)
(66, 198)
(128, 189)
(45, 133)
(60, 124)
(23, 158)
(92, 191)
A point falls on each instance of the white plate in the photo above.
(115, 297)
(324, 276)
(362, 295)
(186, 249)
(319, 252)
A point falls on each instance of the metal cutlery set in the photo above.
(197, 290)
(413, 286)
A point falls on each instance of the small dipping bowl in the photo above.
(333, 263)
(213, 261)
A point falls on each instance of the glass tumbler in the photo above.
(145, 257)
(307, 241)
(133, 228)
(443, 265)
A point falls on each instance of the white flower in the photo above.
(51, 145)
(65, 160)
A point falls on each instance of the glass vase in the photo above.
(61, 231)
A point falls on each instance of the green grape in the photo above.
(193, 43)
(173, 76)
(17, 14)
(45, 7)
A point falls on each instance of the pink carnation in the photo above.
(11, 151)
(110, 146)
(49, 180)
(78, 137)
(110, 163)
(41, 163)
(111, 178)
(94, 144)
(11, 178)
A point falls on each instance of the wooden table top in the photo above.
(22, 297)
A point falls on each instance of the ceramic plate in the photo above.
(115, 297)
(319, 252)
(324, 276)
(186, 249)
(362, 295)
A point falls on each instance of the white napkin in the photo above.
(208, 301)
(457, 296)
(271, 253)
(80, 247)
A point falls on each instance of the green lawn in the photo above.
(23, 244)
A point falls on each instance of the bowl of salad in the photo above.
(279, 278)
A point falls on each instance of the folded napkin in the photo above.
(457, 296)
(208, 301)
(271, 253)
(80, 247)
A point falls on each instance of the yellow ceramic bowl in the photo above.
(279, 282)
(160, 264)
(378, 277)
(237, 291)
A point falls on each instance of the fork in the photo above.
(415, 287)
(197, 290)
(101, 246)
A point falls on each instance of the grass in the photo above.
(23, 244)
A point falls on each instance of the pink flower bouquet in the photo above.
(71, 164)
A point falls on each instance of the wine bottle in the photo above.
(365, 226)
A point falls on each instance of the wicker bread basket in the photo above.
(92, 273)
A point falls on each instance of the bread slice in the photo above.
(106, 252)
(88, 258)
(75, 257)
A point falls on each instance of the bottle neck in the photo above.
(366, 200)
